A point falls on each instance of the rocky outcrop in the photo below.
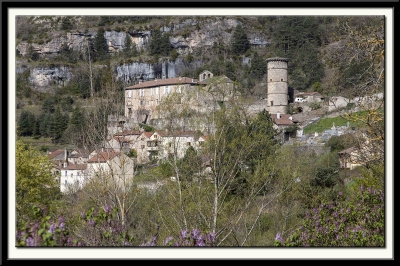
(43, 77)
(76, 41)
(145, 71)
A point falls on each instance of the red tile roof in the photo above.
(163, 82)
(283, 120)
(128, 132)
(103, 156)
(75, 167)
(55, 153)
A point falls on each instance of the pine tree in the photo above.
(26, 123)
(240, 43)
(58, 125)
(159, 44)
(258, 67)
(100, 46)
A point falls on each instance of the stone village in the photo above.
(75, 167)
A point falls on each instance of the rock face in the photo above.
(115, 40)
(146, 71)
(42, 78)
(75, 41)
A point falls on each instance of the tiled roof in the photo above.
(148, 134)
(75, 167)
(56, 153)
(163, 82)
(103, 156)
(283, 120)
(128, 132)
(80, 153)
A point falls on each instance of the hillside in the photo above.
(67, 63)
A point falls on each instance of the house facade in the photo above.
(286, 124)
(112, 164)
(349, 158)
(73, 177)
(141, 100)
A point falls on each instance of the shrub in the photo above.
(356, 222)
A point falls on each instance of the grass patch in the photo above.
(44, 144)
(326, 123)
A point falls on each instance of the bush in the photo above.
(355, 222)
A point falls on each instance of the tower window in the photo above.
(281, 79)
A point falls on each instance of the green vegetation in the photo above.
(241, 188)
(326, 123)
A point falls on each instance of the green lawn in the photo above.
(326, 123)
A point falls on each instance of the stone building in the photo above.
(205, 75)
(141, 100)
(277, 85)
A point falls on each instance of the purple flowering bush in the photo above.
(103, 228)
(44, 231)
(353, 222)
(194, 238)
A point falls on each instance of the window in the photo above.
(204, 76)
(129, 94)
(188, 143)
(179, 90)
(143, 146)
(130, 111)
(272, 103)
(142, 92)
(209, 75)
(141, 102)
(66, 173)
(157, 90)
(166, 90)
(152, 91)
(270, 80)
(281, 79)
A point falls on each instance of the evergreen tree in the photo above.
(258, 67)
(159, 44)
(129, 47)
(36, 129)
(240, 43)
(48, 105)
(100, 46)
(26, 123)
(59, 124)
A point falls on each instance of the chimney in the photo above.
(65, 155)
(278, 116)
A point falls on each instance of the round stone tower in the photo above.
(277, 85)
